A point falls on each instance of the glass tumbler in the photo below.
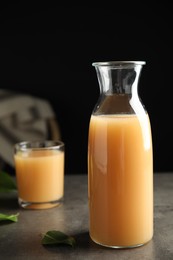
(39, 167)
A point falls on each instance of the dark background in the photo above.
(47, 50)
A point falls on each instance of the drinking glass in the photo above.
(39, 167)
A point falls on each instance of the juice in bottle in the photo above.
(120, 181)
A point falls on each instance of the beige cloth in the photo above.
(22, 118)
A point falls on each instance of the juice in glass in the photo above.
(40, 177)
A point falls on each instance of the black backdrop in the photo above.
(47, 50)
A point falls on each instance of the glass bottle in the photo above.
(120, 159)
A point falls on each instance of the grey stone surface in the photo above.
(22, 240)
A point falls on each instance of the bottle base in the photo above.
(120, 246)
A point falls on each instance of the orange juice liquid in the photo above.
(40, 175)
(120, 180)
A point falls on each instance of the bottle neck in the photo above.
(118, 80)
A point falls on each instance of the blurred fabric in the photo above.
(23, 118)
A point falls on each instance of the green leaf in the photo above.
(57, 237)
(13, 218)
(7, 183)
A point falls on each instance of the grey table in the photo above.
(22, 240)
